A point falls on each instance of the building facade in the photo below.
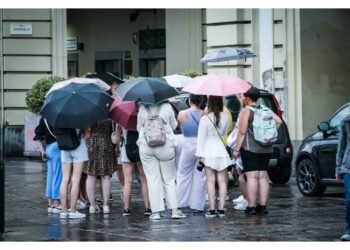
(302, 54)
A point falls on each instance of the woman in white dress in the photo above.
(212, 153)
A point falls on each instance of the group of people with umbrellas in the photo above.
(79, 103)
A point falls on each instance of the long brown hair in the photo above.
(216, 105)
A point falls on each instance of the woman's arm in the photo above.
(87, 133)
(277, 120)
(242, 126)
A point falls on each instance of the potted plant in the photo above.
(35, 98)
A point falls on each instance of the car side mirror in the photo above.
(323, 126)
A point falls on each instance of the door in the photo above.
(113, 66)
(328, 146)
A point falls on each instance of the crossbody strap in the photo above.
(48, 128)
(216, 130)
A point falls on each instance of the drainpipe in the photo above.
(2, 167)
(2, 85)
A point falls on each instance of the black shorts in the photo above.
(255, 161)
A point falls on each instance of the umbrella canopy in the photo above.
(149, 90)
(124, 113)
(226, 54)
(177, 81)
(107, 77)
(76, 106)
(104, 86)
(217, 85)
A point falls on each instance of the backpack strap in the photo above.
(48, 128)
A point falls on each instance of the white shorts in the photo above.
(80, 154)
(123, 155)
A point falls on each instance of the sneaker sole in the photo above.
(210, 216)
(176, 217)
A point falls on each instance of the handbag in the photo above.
(113, 134)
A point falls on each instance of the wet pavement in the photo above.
(291, 217)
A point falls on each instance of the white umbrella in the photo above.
(104, 86)
(177, 81)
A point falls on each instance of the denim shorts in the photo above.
(255, 161)
(80, 154)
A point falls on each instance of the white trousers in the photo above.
(190, 182)
(158, 165)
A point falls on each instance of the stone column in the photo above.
(59, 49)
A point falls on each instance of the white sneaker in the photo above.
(81, 204)
(239, 199)
(49, 209)
(76, 215)
(106, 210)
(94, 210)
(56, 210)
(241, 206)
(64, 215)
(177, 215)
(155, 216)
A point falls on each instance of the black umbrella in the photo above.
(76, 106)
(149, 90)
(107, 77)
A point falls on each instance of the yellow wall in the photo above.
(325, 53)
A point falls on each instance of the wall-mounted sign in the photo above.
(127, 54)
(72, 43)
(152, 39)
(21, 29)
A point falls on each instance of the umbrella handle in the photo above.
(137, 105)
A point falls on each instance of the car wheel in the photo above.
(280, 174)
(308, 180)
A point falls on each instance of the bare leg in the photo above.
(222, 181)
(128, 169)
(106, 187)
(211, 187)
(83, 193)
(56, 203)
(263, 187)
(90, 189)
(66, 172)
(252, 187)
(144, 187)
(77, 171)
(120, 175)
(242, 184)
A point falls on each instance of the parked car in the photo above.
(315, 161)
(280, 168)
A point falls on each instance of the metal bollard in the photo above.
(2, 197)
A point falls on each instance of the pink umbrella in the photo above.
(123, 113)
(217, 85)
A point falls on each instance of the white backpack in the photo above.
(264, 126)
(154, 129)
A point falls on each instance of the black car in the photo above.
(280, 168)
(315, 161)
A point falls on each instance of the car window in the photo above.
(334, 123)
(268, 102)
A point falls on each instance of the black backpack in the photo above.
(67, 138)
(131, 148)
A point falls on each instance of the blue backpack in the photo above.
(264, 126)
